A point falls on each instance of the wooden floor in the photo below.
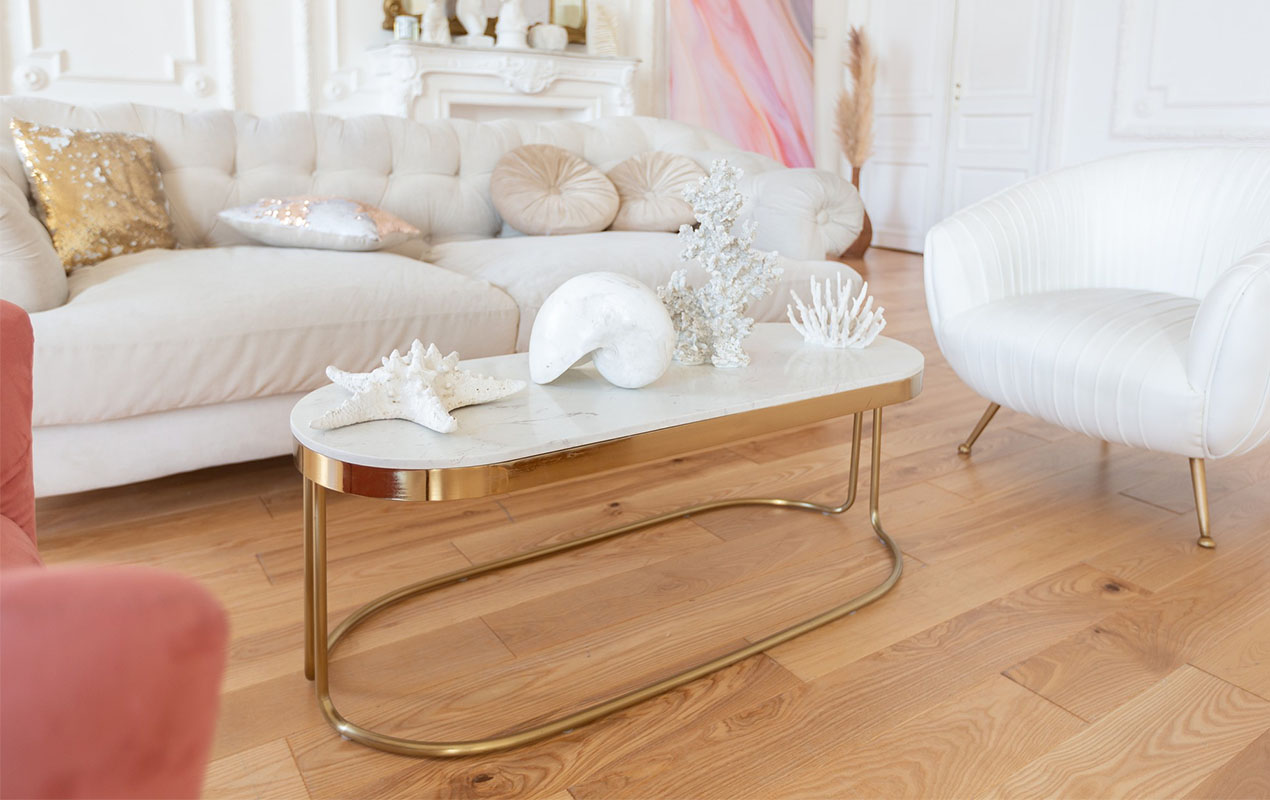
(1056, 631)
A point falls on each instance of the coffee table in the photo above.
(578, 426)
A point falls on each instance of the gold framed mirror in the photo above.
(570, 14)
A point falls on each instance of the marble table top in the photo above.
(581, 408)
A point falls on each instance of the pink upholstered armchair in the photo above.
(109, 676)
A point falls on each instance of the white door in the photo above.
(997, 127)
(901, 183)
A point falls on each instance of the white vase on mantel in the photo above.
(512, 26)
(471, 14)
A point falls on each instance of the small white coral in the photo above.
(421, 387)
(835, 319)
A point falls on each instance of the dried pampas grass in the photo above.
(855, 104)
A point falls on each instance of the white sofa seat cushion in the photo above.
(1110, 363)
(530, 268)
(163, 329)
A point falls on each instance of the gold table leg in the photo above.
(988, 414)
(308, 579)
(322, 644)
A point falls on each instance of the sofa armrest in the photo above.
(1228, 356)
(31, 274)
(806, 214)
(111, 682)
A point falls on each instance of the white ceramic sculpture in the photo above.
(435, 28)
(512, 25)
(616, 320)
(835, 319)
(548, 37)
(421, 387)
(710, 321)
(601, 30)
(471, 14)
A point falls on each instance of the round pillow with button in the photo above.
(651, 186)
(544, 190)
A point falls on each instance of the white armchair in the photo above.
(1127, 299)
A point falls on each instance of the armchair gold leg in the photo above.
(1199, 481)
(964, 447)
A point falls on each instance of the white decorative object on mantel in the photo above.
(548, 37)
(435, 28)
(425, 82)
(601, 30)
(471, 14)
(422, 387)
(710, 321)
(512, 25)
(616, 320)
(834, 318)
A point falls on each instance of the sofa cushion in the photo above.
(541, 189)
(162, 330)
(1110, 363)
(530, 268)
(651, 187)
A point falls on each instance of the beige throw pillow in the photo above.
(543, 190)
(651, 187)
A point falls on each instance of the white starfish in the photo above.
(421, 387)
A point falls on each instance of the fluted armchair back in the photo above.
(1166, 220)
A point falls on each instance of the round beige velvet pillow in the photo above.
(651, 186)
(542, 190)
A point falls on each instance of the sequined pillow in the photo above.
(322, 223)
(99, 194)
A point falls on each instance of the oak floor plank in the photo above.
(1243, 657)
(1246, 776)
(1163, 744)
(1098, 669)
(958, 748)
(265, 772)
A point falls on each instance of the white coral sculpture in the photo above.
(835, 318)
(421, 387)
(709, 321)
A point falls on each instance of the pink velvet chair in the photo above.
(109, 676)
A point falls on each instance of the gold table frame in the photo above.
(323, 473)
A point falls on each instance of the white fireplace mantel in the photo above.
(425, 82)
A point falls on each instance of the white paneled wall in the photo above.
(262, 56)
(975, 95)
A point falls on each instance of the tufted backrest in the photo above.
(434, 175)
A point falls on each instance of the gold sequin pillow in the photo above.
(321, 223)
(99, 194)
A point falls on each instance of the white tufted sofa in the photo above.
(164, 361)
(1127, 299)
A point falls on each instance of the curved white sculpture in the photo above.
(834, 318)
(421, 387)
(435, 27)
(616, 320)
(512, 26)
(471, 14)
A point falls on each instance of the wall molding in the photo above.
(1141, 107)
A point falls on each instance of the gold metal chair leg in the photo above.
(324, 643)
(964, 447)
(1199, 482)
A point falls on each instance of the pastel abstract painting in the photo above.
(744, 69)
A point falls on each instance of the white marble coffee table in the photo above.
(577, 426)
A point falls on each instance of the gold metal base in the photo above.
(320, 646)
(1199, 483)
(964, 447)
